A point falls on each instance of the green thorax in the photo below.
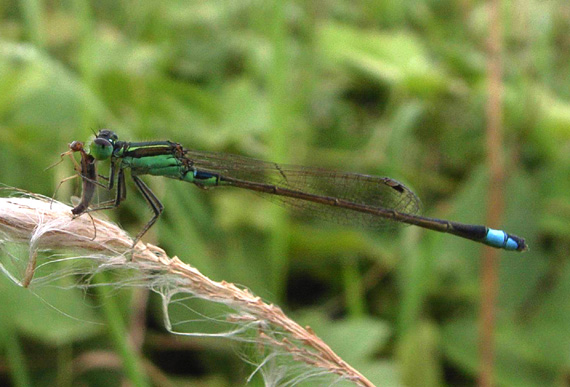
(160, 158)
(161, 165)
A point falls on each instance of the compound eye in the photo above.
(101, 149)
(107, 135)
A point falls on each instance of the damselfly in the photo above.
(346, 198)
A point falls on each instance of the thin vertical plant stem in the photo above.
(132, 363)
(495, 207)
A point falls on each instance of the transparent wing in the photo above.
(362, 189)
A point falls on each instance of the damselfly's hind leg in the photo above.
(153, 202)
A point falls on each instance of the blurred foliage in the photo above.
(380, 87)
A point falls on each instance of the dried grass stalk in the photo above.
(36, 221)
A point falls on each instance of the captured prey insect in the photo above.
(88, 173)
(346, 198)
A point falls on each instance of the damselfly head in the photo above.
(102, 146)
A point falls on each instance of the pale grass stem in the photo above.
(33, 221)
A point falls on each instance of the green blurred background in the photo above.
(388, 88)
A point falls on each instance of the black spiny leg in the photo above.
(154, 203)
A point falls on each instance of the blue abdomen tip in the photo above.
(499, 238)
